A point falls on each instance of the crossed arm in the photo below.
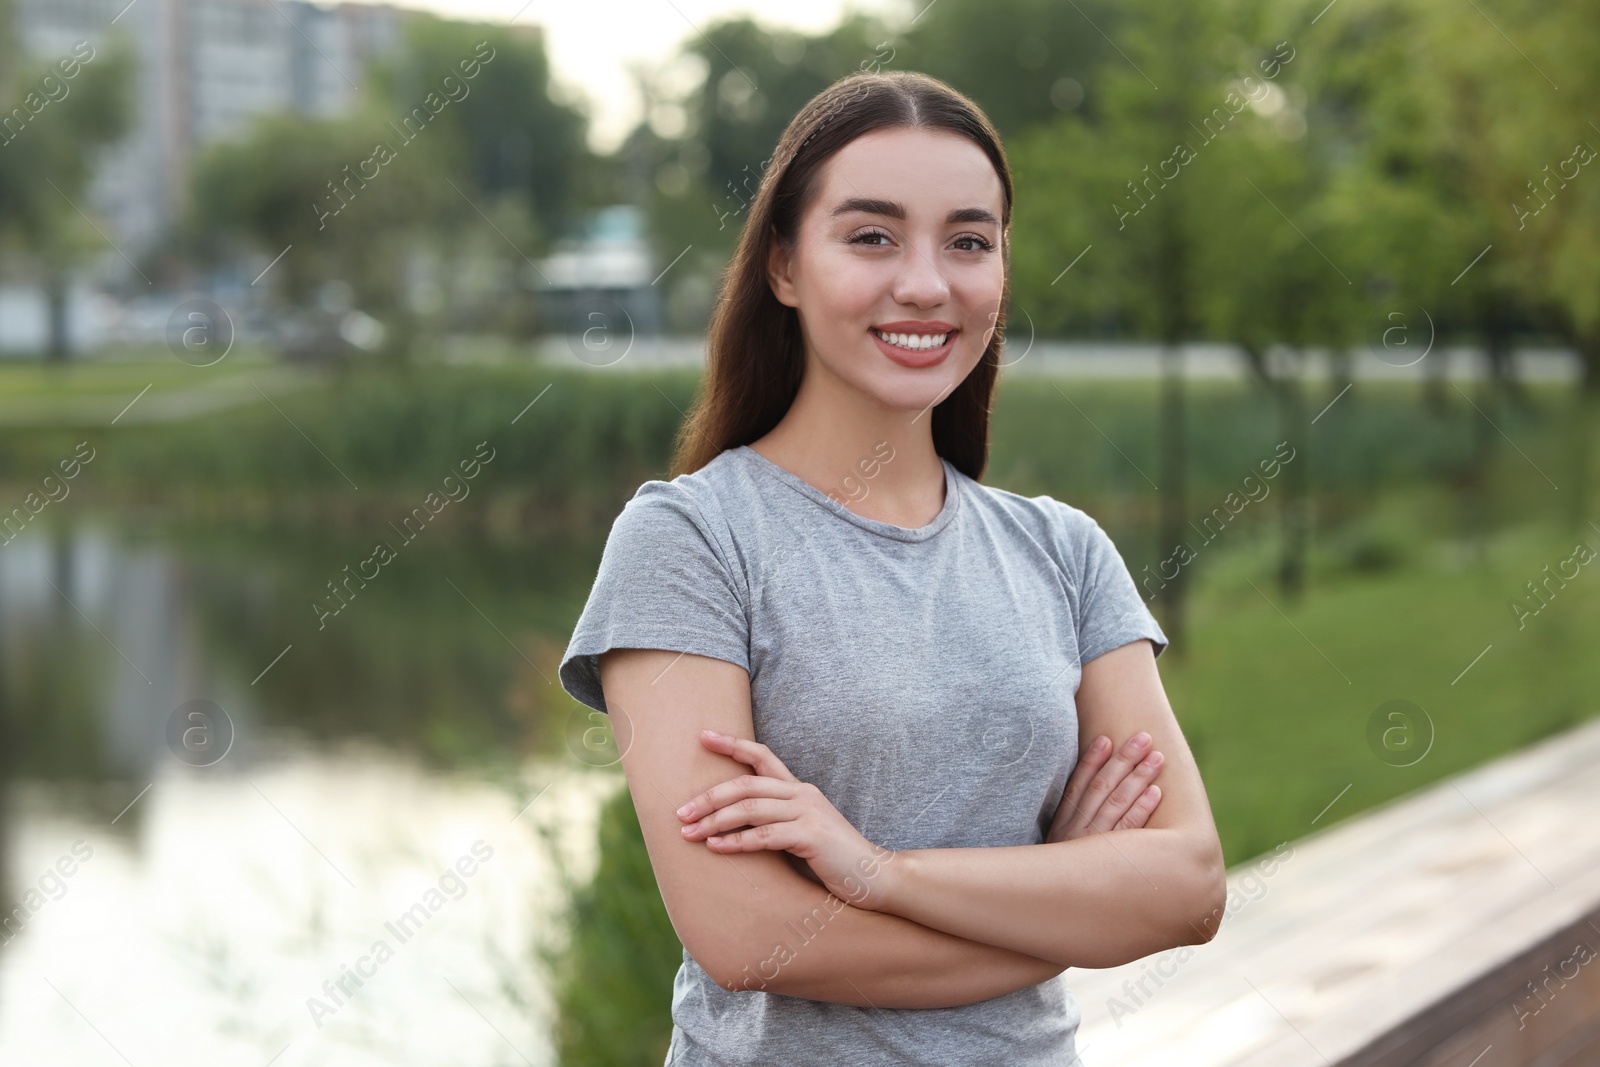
(1096, 901)
(961, 925)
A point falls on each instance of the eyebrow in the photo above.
(898, 211)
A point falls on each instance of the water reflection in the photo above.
(366, 877)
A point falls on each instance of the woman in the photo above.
(881, 859)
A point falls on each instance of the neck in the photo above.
(875, 458)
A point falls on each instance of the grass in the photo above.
(1275, 699)
(131, 373)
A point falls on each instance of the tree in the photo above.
(1288, 281)
(1558, 246)
(511, 131)
(347, 194)
(57, 114)
(1124, 206)
(461, 159)
(1025, 62)
(1447, 121)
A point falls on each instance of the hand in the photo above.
(787, 815)
(1109, 792)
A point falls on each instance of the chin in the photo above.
(915, 390)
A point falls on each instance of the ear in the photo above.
(779, 265)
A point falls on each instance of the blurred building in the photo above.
(604, 273)
(205, 69)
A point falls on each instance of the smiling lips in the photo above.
(915, 344)
(914, 336)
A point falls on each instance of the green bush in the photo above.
(613, 979)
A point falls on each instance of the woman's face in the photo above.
(897, 272)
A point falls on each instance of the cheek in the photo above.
(850, 288)
(978, 292)
(980, 284)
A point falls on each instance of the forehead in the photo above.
(929, 171)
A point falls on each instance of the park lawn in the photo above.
(40, 398)
(77, 378)
(1279, 731)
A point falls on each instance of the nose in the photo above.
(920, 282)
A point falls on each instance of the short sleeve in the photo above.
(663, 582)
(1111, 613)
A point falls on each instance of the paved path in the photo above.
(1094, 360)
(160, 403)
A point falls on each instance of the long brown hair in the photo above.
(754, 351)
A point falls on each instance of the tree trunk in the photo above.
(1296, 518)
(1494, 323)
(1172, 520)
(1255, 358)
(1475, 483)
(1435, 371)
(1175, 288)
(1589, 354)
(1583, 422)
(55, 293)
(1341, 372)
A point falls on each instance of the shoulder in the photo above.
(1068, 531)
(695, 496)
(689, 510)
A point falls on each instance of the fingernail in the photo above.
(1099, 745)
(712, 734)
(1141, 738)
(686, 809)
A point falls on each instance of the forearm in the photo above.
(1097, 901)
(803, 941)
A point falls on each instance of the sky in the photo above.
(591, 42)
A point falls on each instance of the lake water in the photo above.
(232, 836)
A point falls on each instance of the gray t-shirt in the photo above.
(923, 679)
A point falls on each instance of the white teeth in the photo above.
(915, 342)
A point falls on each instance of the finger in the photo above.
(780, 836)
(1142, 809)
(751, 811)
(754, 753)
(1100, 786)
(1127, 792)
(735, 789)
(1093, 758)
